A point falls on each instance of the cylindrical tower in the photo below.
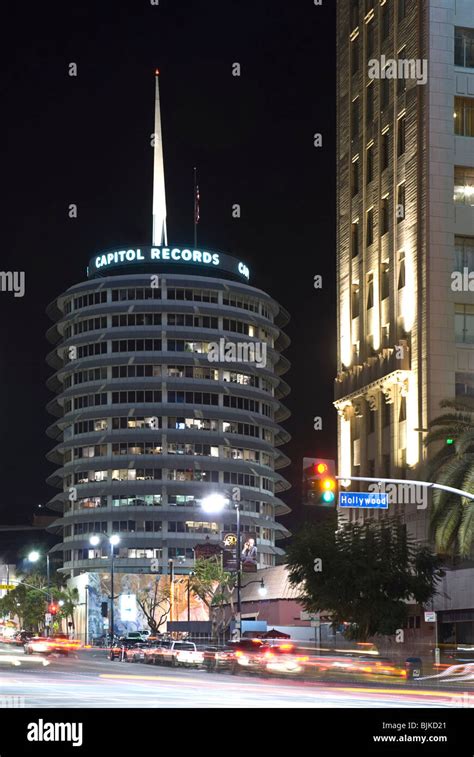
(167, 375)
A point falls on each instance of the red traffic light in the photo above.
(321, 468)
(52, 608)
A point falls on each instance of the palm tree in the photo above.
(452, 520)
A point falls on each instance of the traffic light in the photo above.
(104, 609)
(52, 608)
(319, 481)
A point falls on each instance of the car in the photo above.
(59, 644)
(357, 666)
(121, 647)
(20, 638)
(136, 653)
(175, 653)
(138, 635)
(282, 659)
(225, 658)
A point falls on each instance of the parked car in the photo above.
(175, 653)
(136, 653)
(22, 637)
(121, 647)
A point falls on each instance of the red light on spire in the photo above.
(157, 71)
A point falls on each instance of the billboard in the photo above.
(229, 554)
(249, 553)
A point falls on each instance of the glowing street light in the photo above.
(214, 503)
(34, 556)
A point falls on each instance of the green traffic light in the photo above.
(449, 440)
(328, 497)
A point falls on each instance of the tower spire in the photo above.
(159, 236)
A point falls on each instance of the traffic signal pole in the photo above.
(426, 484)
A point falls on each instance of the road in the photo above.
(91, 680)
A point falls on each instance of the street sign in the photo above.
(364, 500)
(7, 587)
(47, 618)
(105, 623)
(430, 617)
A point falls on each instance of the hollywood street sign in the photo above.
(364, 500)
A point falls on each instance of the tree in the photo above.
(214, 586)
(28, 603)
(69, 598)
(362, 575)
(154, 600)
(452, 518)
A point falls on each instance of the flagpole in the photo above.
(195, 208)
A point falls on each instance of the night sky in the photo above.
(86, 140)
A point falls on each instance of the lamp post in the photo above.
(171, 574)
(262, 590)
(113, 541)
(215, 503)
(34, 557)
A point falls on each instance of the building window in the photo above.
(370, 31)
(464, 324)
(370, 164)
(386, 335)
(355, 118)
(385, 216)
(464, 253)
(385, 20)
(370, 104)
(355, 55)
(464, 116)
(355, 239)
(463, 185)
(402, 9)
(401, 270)
(355, 177)
(464, 384)
(355, 300)
(370, 290)
(401, 136)
(385, 149)
(370, 227)
(385, 92)
(384, 281)
(354, 13)
(385, 413)
(402, 409)
(464, 47)
(401, 202)
(401, 81)
(371, 424)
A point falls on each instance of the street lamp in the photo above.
(262, 589)
(34, 556)
(113, 540)
(215, 503)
